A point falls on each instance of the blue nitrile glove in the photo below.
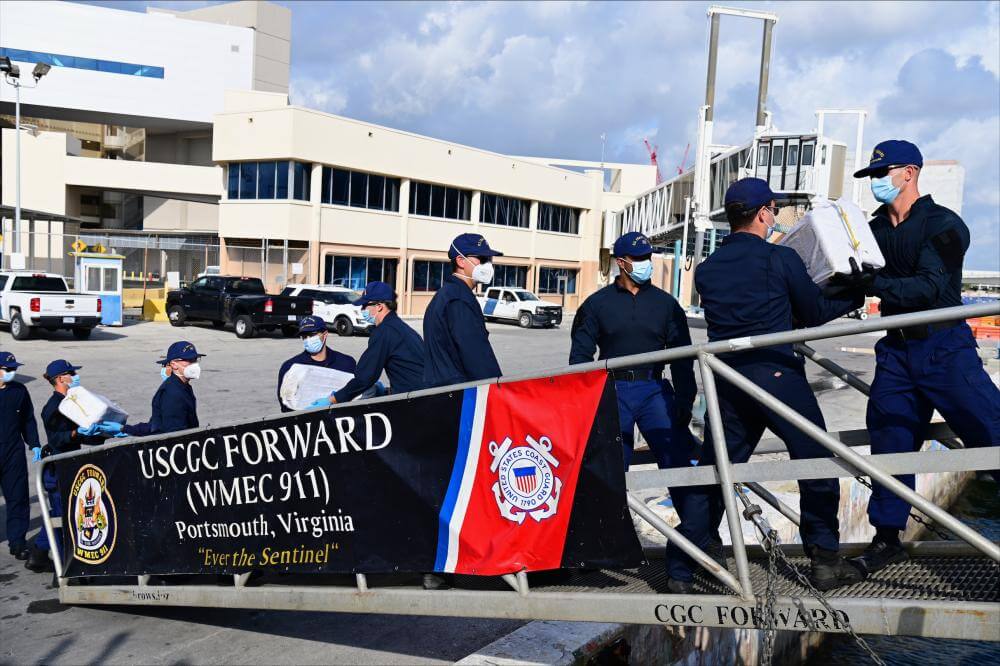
(122, 434)
(322, 402)
(36, 454)
(92, 429)
(110, 427)
(380, 389)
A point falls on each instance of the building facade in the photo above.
(314, 197)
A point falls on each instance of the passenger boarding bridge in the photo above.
(798, 167)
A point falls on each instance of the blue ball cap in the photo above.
(60, 367)
(750, 192)
(311, 324)
(376, 292)
(7, 360)
(632, 244)
(892, 153)
(471, 245)
(180, 351)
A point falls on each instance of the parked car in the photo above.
(42, 300)
(520, 305)
(334, 304)
(240, 301)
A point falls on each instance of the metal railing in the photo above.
(845, 463)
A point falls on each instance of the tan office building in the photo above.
(313, 197)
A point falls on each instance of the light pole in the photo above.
(12, 75)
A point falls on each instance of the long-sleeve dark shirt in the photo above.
(456, 343)
(61, 432)
(751, 287)
(174, 409)
(923, 258)
(334, 360)
(17, 417)
(395, 348)
(620, 324)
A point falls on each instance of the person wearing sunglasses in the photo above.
(313, 332)
(751, 287)
(918, 369)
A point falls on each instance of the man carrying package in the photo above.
(919, 368)
(63, 436)
(312, 330)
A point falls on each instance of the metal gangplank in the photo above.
(949, 589)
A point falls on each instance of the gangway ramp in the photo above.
(947, 590)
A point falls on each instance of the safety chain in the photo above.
(929, 526)
(769, 540)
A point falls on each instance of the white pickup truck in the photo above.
(520, 305)
(29, 300)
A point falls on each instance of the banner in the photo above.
(489, 480)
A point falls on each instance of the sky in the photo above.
(549, 79)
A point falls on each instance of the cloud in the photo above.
(321, 95)
(957, 91)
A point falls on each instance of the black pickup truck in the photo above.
(242, 302)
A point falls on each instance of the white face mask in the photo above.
(193, 371)
(483, 273)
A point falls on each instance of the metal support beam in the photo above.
(770, 498)
(765, 70)
(722, 466)
(864, 465)
(678, 539)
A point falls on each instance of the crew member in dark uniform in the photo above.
(174, 405)
(632, 316)
(751, 287)
(456, 342)
(312, 330)
(62, 436)
(920, 368)
(392, 346)
(17, 430)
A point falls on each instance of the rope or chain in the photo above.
(929, 526)
(769, 540)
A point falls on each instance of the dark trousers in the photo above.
(649, 404)
(912, 379)
(55, 504)
(14, 485)
(744, 420)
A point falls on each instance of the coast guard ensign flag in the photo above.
(538, 480)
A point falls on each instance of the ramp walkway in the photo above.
(948, 589)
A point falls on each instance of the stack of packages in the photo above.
(829, 236)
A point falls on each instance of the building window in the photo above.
(429, 275)
(510, 212)
(510, 276)
(74, 62)
(300, 189)
(267, 180)
(550, 280)
(439, 201)
(560, 219)
(360, 189)
(356, 272)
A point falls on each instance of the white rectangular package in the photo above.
(305, 384)
(829, 235)
(85, 408)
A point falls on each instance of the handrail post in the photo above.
(724, 469)
(859, 462)
(43, 503)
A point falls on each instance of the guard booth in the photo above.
(100, 273)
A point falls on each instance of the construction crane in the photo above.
(680, 169)
(652, 160)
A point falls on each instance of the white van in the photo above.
(334, 305)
